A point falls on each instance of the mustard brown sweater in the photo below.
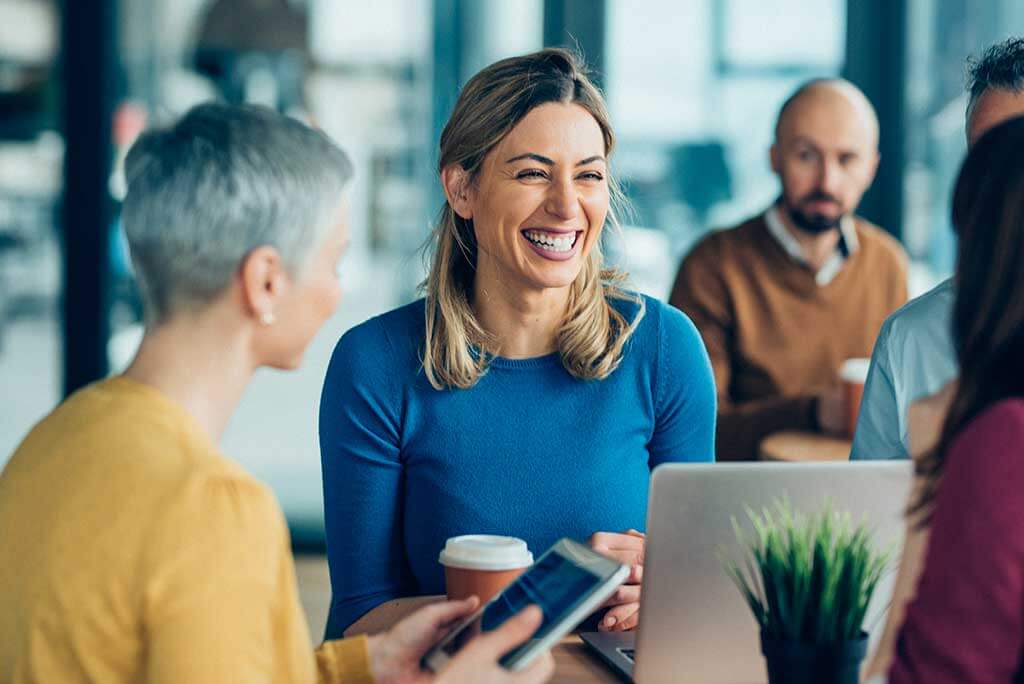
(776, 337)
(133, 551)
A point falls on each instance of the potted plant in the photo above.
(808, 580)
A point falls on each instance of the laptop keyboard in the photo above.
(628, 653)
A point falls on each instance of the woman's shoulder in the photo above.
(659, 319)
(664, 338)
(398, 332)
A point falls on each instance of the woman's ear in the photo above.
(457, 188)
(264, 281)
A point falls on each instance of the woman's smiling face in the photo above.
(540, 200)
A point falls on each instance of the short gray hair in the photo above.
(219, 183)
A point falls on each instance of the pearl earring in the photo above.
(267, 318)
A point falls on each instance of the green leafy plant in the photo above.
(807, 578)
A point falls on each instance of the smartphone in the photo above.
(568, 582)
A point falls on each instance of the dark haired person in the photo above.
(785, 298)
(913, 356)
(529, 394)
(966, 622)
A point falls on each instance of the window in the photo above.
(942, 34)
(31, 154)
(694, 87)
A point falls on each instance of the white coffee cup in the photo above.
(482, 565)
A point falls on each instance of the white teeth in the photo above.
(549, 243)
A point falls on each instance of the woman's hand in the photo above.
(395, 655)
(624, 605)
(925, 419)
(477, 663)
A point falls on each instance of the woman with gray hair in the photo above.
(529, 394)
(133, 549)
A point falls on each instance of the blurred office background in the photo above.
(694, 87)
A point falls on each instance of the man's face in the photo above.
(826, 155)
(992, 108)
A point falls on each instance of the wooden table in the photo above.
(574, 662)
(802, 447)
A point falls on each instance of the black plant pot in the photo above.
(791, 662)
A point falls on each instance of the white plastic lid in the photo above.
(855, 370)
(486, 552)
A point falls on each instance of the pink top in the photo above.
(966, 623)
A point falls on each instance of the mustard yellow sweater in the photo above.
(131, 550)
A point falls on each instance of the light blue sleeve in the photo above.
(684, 389)
(360, 436)
(878, 435)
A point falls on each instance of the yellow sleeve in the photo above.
(221, 604)
(344, 660)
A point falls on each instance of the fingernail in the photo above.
(609, 621)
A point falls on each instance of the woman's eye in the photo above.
(531, 173)
(592, 176)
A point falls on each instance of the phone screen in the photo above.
(555, 584)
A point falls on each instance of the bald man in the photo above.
(783, 299)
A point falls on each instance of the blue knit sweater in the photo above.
(530, 451)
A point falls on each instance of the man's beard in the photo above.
(814, 224)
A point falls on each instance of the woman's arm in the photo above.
(911, 561)
(221, 600)
(684, 394)
(360, 419)
(684, 430)
(388, 614)
(924, 423)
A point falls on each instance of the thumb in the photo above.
(515, 631)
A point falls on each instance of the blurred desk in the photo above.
(803, 447)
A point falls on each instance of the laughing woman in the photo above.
(527, 394)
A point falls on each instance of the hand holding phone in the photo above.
(395, 655)
(567, 583)
(478, 663)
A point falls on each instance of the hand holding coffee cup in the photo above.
(482, 565)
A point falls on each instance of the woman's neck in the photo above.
(201, 362)
(525, 324)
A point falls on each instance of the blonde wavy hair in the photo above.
(458, 350)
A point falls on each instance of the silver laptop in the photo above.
(694, 625)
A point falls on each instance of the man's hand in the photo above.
(926, 417)
(624, 605)
(831, 411)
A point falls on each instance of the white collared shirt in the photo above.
(825, 275)
(913, 357)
